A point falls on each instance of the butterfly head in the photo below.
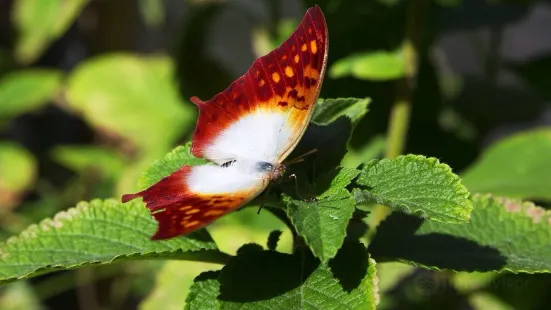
(274, 171)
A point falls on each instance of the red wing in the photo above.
(180, 210)
(287, 80)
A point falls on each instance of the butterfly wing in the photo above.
(263, 114)
(193, 197)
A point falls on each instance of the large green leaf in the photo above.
(257, 279)
(133, 97)
(503, 234)
(415, 184)
(98, 232)
(39, 22)
(514, 167)
(23, 91)
(377, 65)
(322, 221)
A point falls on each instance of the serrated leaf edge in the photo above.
(434, 162)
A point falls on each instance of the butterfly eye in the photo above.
(264, 166)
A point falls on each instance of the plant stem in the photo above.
(401, 110)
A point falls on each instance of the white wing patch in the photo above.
(259, 136)
(212, 179)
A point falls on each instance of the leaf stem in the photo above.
(401, 110)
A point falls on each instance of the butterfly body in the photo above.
(246, 131)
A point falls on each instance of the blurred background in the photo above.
(92, 92)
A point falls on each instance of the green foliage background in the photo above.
(94, 104)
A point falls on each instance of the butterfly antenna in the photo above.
(300, 158)
(294, 176)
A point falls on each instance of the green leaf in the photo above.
(257, 279)
(415, 184)
(327, 111)
(203, 292)
(172, 283)
(179, 156)
(27, 90)
(502, 235)
(152, 12)
(322, 222)
(39, 23)
(377, 66)
(19, 296)
(18, 171)
(98, 232)
(133, 97)
(18, 167)
(517, 167)
(80, 158)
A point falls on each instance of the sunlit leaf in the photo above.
(415, 184)
(133, 97)
(98, 232)
(378, 65)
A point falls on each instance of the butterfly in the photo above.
(246, 131)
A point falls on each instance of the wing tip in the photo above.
(127, 197)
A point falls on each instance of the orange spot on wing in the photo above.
(313, 46)
(275, 77)
(304, 47)
(191, 224)
(214, 212)
(193, 211)
(289, 71)
(184, 208)
(261, 83)
(297, 58)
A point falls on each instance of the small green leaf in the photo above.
(98, 232)
(39, 23)
(514, 167)
(257, 279)
(27, 90)
(18, 171)
(19, 296)
(502, 235)
(179, 156)
(378, 65)
(153, 12)
(415, 184)
(18, 167)
(322, 222)
(133, 97)
(81, 158)
(328, 110)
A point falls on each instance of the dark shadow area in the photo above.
(314, 174)
(396, 239)
(255, 275)
(350, 264)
